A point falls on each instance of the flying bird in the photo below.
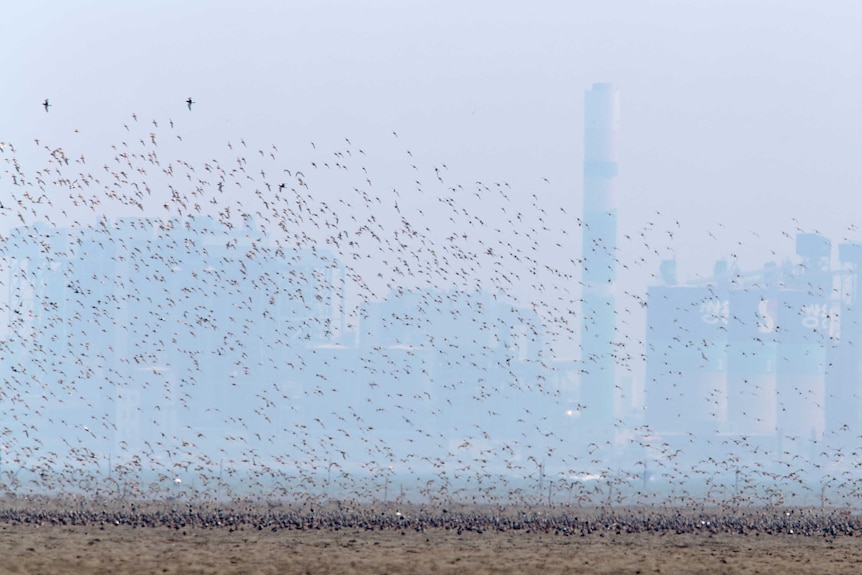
(46, 104)
(189, 102)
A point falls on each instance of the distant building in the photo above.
(148, 342)
(766, 355)
(161, 325)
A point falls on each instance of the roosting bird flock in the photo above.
(234, 321)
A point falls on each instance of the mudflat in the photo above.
(125, 538)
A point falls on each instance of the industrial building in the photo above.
(767, 355)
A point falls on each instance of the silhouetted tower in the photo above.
(601, 125)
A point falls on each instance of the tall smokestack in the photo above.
(601, 126)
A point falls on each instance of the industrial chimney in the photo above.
(601, 126)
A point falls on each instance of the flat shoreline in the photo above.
(174, 537)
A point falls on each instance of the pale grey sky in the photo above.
(737, 116)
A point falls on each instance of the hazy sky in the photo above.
(737, 116)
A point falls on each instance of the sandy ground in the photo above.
(28, 546)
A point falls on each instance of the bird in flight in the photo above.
(46, 104)
(189, 102)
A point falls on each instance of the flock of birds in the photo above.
(213, 328)
(458, 519)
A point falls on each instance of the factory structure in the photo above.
(764, 357)
(768, 355)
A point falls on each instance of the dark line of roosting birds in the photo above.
(461, 520)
